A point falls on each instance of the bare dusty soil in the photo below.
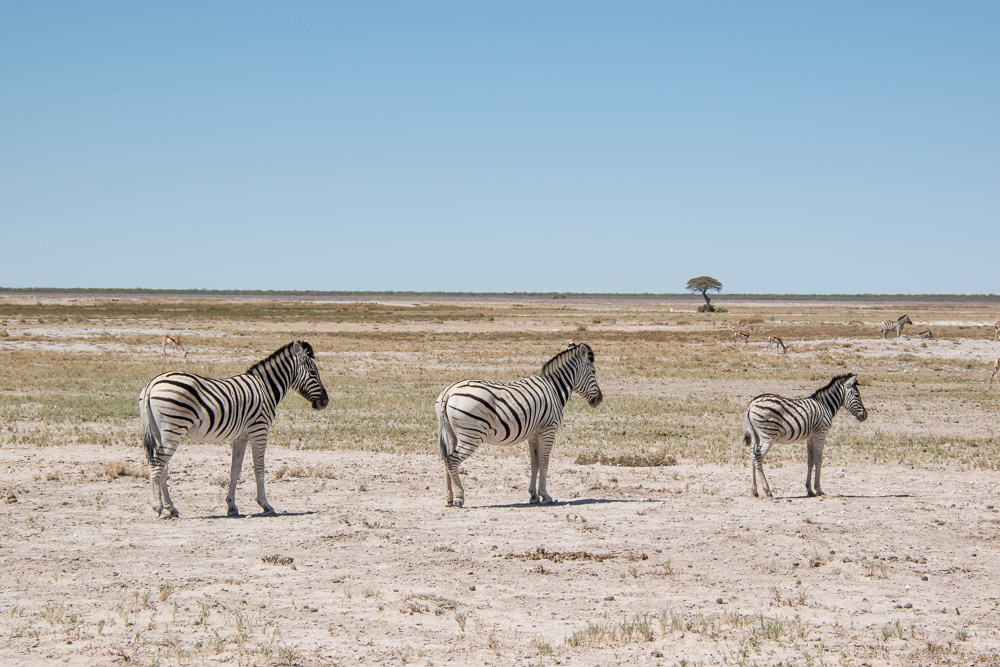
(365, 564)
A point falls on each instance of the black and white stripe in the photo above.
(475, 412)
(896, 326)
(771, 419)
(241, 408)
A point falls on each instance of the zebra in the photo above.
(240, 408)
(780, 344)
(475, 412)
(896, 326)
(770, 419)
(744, 334)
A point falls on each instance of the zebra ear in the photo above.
(851, 381)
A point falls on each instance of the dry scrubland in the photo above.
(655, 554)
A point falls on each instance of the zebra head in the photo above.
(905, 319)
(306, 380)
(585, 375)
(852, 399)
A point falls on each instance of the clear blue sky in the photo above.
(807, 147)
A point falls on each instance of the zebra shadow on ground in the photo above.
(260, 515)
(846, 495)
(569, 503)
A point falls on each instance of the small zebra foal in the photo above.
(897, 326)
(475, 412)
(771, 419)
(240, 408)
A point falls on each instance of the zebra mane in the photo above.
(283, 350)
(561, 359)
(838, 379)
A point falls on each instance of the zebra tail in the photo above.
(749, 432)
(150, 431)
(445, 432)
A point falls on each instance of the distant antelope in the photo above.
(776, 340)
(174, 340)
(896, 326)
(744, 334)
(996, 328)
(996, 369)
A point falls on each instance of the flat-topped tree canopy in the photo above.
(704, 284)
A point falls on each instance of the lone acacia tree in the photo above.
(705, 284)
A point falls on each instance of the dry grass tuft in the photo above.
(116, 469)
(278, 559)
(654, 459)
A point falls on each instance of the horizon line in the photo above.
(551, 294)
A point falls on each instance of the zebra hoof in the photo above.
(233, 512)
(269, 512)
(535, 500)
(458, 502)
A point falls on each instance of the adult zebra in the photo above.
(896, 326)
(240, 408)
(473, 412)
(770, 419)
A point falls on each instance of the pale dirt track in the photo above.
(895, 566)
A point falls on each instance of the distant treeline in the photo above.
(665, 296)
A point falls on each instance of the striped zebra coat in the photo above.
(896, 326)
(475, 412)
(241, 408)
(770, 419)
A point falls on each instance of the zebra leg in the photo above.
(156, 473)
(257, 446)
(449, 497)
(759, 455)
(544, 448)
(239, 448)
(810, 462)
(532, 487)
(169, 511)
(451, 471)
(819, 464)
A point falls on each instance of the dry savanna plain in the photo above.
(654, 554)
